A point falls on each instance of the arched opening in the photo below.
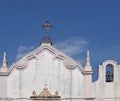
(109, 73)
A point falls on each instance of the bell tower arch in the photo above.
(108, 72)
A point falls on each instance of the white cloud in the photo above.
(23, 50)
(72, 46)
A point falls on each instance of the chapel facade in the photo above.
(47, 74)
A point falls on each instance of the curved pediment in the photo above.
(68, 61)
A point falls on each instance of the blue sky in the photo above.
(78, 25)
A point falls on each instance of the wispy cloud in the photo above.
(23, 50)
(72, 46)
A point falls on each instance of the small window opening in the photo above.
(109, 73)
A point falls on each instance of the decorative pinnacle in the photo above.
(46, 26)
(4, 65)
(88, 58)
(88, 66)
(4, 59)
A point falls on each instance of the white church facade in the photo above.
(47, 74)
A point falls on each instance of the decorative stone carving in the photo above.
(45, 94)
(34, 93)
(56, 93)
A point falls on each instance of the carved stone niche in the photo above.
(45, 95)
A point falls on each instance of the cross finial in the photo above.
(47, 26)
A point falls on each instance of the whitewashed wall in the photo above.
(45, 68)
(3, 86)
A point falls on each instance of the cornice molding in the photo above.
(22, 63)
